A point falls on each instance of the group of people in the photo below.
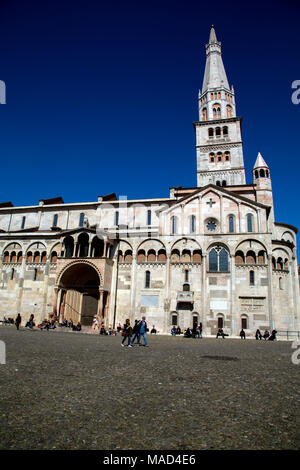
(69, 324)
(266, 336)
(195, 332)
(137, 332)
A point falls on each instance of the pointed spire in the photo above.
(214, 75)
(212, 36)
(260, 163)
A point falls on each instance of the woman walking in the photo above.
(126, 333)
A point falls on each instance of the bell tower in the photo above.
(218, 132)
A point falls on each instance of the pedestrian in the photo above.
(30, 322)
(258, 334)
(18, 321)
(194, 330)
(221, 333)
(272, 336)
(135, 331)
(200, 330)
(242, 334)
(153, 331)
(127, 330)
(142, 331)
(266, 335)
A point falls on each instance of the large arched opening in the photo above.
(81, 297)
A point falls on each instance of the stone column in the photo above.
(100, 312)
(239, 218)
(203, 295)
(133, 285)
(221, 215)
(232, 292)
(270, 291)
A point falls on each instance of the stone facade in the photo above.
(212, 253)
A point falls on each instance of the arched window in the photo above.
(231, 224)
(186, 256)
(186, 287)
(151, 256)
(128, 256)
(13, 257)
(36, 257)
(218, 260)
(218, 132)
(256, 174)
(213, 261)
(174, 225)
(69, 246)
(29, 257)
(20, 257)
(6, 257)
(219, 156)
(280, 283)
(216, 111)
(225, 131)
(262, 173)
(147, 280)
(279, 264)
(239, 257)
(251, 278)
(83, 245)
(210, 132)
(44, 257)
(175, 256)
(223, 260)
(224, 183)
(192, 224)
(244, 322)
(81, 219)
(204, 114)
(212, 157)
(197, 256)
(229, 111)
(250, 257)
(141, 256)
(227, 156)
(53, 258)
(261, 257)
(162, 256)
(249, 223)
(55, 219)
(218, 183)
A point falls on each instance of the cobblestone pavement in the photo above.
(79, 391)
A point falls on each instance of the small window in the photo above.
(12, 274)
(186, 275)
(280, 283)
(244, 323)
(35, 274)
(192, 224)
(147, 280)
(23, 222)
(220, 322)
(174, 225)
(251, 278)
(55, 218)
(231, 224)
(117, 218)
(81, 219)
(149, 217)
(249, 223)
(174, 319)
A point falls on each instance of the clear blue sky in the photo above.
(101, 96)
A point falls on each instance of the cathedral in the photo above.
(212, 253)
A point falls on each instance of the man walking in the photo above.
(18, 321)
(142, 331)
(136, 331)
